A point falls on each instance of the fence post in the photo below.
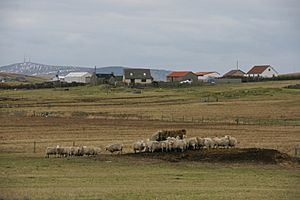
(34, 146)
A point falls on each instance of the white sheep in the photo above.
(114, 147)
(232, 141)
(179, 145)
(155, 146)
(221, 142)
(200, 142)
(192, 143)
(164, 145)
(138, 146)
(208, 143)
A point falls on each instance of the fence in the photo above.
(158, 117)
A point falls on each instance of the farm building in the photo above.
(265, 71)
(207, 76)
(141, 76)
(97, 78)
(178, 76)
(236, 73)
(78, 77)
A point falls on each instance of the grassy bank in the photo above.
(112, 177)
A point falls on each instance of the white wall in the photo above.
(269, 73)
(138, 81)
(79, 79)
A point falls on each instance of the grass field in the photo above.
(263, 115)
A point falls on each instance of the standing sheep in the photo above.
(51, 151)
(138, 146)
(208, 143)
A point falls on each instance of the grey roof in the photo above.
(137, 73)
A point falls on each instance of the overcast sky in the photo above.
(197, 35)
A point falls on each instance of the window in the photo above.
(144, 80)
(269, 69)
(131, 74)
(144, 74)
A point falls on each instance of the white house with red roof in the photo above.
(264, 71)
(177, 76)
(206, 76)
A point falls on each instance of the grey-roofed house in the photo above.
(141, 76)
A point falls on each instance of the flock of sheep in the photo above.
(80, 151)
(181, 144)
(161, 141)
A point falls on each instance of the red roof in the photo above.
(258, 69)
(178, 74)
(203, 73)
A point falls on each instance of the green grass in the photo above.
(35, 177)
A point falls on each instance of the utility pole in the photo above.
(237, 64)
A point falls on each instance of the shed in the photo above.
(207, 76)
(78, 77)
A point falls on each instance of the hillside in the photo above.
(13, 78)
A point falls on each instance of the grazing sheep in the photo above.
(75, 151)
(232, 141)
(200, 142)
(179, 145)
(51, 151)
(90, 151)
(148, 143)
(114, 147)
(138, 146)
(155, 146)
(192, 143)
(221, 142)
(208, 143)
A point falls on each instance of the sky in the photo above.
(196, 35)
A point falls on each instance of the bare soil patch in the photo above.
(236, 155)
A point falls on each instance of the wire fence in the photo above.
(176, 118)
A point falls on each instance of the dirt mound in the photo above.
(249, 155)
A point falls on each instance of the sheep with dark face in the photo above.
(114, 148)
(51, 151)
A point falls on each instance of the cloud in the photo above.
(173, 34)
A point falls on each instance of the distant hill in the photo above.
(37, 69)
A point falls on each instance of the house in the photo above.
(236, 73)
(264, 71)
(78, 77)
(97, 79)
(178, 76)
(141, 76)
(207, 76)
